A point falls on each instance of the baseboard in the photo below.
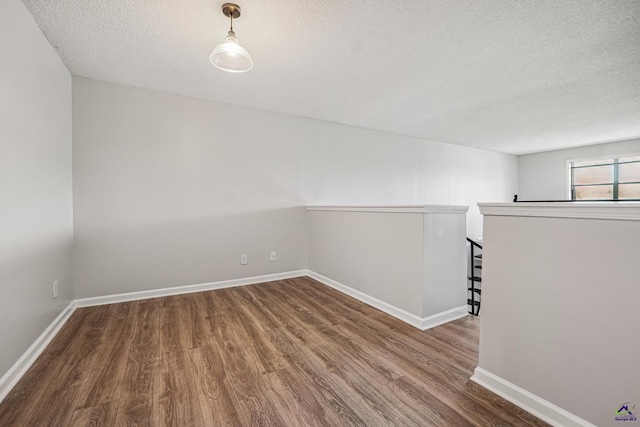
(422, 323)
(528, 401)
(443, 317)
(13, 375)
(187, 289)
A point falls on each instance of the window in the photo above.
(605, 179)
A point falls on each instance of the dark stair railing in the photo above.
(475, 304)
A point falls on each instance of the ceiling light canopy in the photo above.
(230, 56)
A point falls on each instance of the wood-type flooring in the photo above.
(286, 353)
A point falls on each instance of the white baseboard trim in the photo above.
(528, 401)
(187, 289)
(422, 323)
(13, 375)
(444, 317)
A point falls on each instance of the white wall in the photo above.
(36, 219)
(543, 176)
(379, 254)
(354, 166)
(169, 191)
(411, 259)
(445, 262)
(559, 302)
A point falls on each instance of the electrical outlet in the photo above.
(274, 256)
(55, 289)
(244, 259)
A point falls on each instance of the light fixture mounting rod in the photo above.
(231, 10)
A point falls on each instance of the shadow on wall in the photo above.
(137, 256)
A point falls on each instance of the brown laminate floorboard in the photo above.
(285, 353)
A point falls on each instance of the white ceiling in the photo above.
(515, 76)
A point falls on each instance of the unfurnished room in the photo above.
(409, 213)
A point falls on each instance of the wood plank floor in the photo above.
(286, 353)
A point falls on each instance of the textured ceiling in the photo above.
(515, 76)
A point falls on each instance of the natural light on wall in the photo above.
(605, 179)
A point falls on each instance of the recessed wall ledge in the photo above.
(628, 211)
(421, 209)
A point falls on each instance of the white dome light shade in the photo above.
(230, 56)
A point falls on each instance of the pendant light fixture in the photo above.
(230, 56)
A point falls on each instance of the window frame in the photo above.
(609, 159)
